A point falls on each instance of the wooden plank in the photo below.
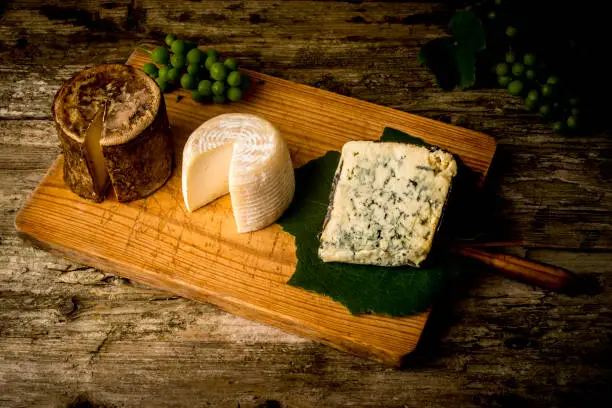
(200, 255)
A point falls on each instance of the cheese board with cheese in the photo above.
(204, 244)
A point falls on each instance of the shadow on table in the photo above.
(444, 315)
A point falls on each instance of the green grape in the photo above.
(492, 15)
(515, 87)
(160, 55)
(212, 53)
(231, 64)
(553, 80)
(547, 90)
(557, 127)
(510, 57)
(195, 56)
(193, 68)
(501, 69)
(531, 104)
(170, 39)
(573, 101)
(196, 96)
(510, 31)
(174, 74)
(218, 87)
(204, 87)
(572, 122)
(518, 69)
(532, 95)
(218, 71)
(545, 111)
(530, 74)
(163, 72)
(163, 85)
(234, 94)
(529, 59)
(150, 69)
(503, 80)
(234, 78)
(210, 60)
(498, 2)
(219, 99)
(575, 112)
(177, 60)
(188, 81)
(178, 46)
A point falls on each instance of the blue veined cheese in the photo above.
(386, 202)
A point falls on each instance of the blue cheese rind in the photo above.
(386, 203)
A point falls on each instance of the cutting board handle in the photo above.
(546, 276)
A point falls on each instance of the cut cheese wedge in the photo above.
(245, 156)
(94, 149)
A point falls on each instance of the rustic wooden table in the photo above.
(73, 335)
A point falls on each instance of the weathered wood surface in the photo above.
(68, 332)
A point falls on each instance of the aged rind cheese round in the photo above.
(113, 127)
(245, 156)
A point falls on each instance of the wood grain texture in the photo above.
(70, 333)
(201, 256)
(546, 276)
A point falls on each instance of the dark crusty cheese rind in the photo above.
(134, 136)
(150, 156)
(386, 202)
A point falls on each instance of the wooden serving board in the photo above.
(201, 256)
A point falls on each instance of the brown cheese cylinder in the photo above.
(113, 127)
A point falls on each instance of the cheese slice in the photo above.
(94, 149)
(113, 126)
(245, 156)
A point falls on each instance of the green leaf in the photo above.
(467, 30)
(394, 135)
(439, 56)
(465, 63)
(452, 59)
(361, 288)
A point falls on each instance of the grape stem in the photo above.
(141, 48)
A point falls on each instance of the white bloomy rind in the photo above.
(245, 156)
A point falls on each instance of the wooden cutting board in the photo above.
(201, 256)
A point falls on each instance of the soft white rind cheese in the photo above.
(245, 156)
(386, 203)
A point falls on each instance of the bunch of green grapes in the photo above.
(541, 92)
(204, 73)
(546, 86)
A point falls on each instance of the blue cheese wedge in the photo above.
(386, 203)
